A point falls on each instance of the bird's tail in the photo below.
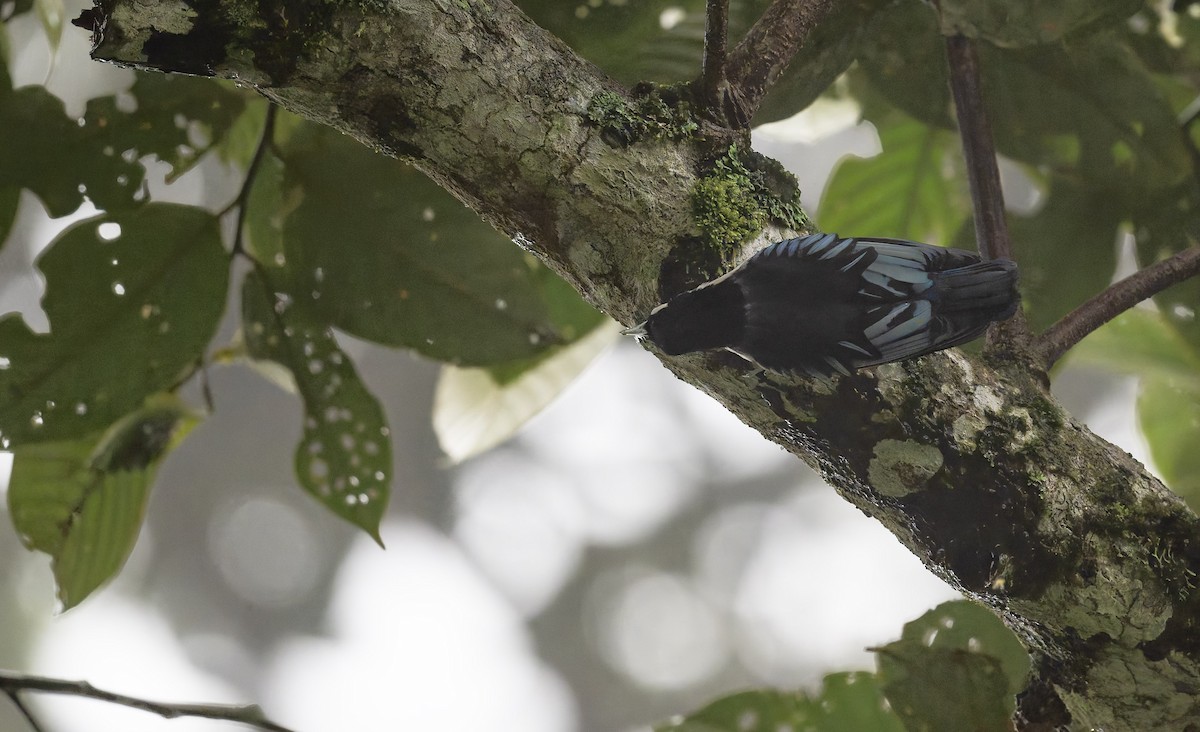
(968, 299)
(988, 289)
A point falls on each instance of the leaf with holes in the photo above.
(914, 189)
(848, 702)
(132, 299)
(82, 501)
(60, 158)
(46, 151)
(345, 455)
(177, 119)
(412, 266)
(955, 667)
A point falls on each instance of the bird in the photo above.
(821, 305)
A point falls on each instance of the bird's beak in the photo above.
(638, 330)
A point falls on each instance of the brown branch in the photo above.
(768, 48)
(1113, 301)
(12, 683)
(715, 87)
(987, 199)
(15, 697)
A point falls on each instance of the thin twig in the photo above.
(716, 39)
(15, 696)
(249, 714)
(764, 54)
(243, 196)
(1114, 300)
(987, 199)
(206, 388)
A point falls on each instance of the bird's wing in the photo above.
(869, 301)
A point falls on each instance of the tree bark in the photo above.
(971, 464)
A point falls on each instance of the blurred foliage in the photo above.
(955, 667)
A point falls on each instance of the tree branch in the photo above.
(764, 54)
(987, 198)
(1116, 299)
(716, 90)
(15, 697)
(977, 470)
(13, 683)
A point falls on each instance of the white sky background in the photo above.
(780, 585)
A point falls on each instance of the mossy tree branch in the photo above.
(971, 464)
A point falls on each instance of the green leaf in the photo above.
(1163, 226)
(132, 299)
(475, 409)
(344, 458)
(265, 211)
(914, 189)
(241, 138)
(377, 250)
(955, 667)
(1067, 250)
(1029, 22)
(903, 58)
(1089, 110)
(849, 702)
(44, 150)
(177, 119)
(82, 501)
(1085, 107)
(61, 158)
(1169, 415)
(617, 36)
(1140, 342)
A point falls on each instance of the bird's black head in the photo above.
(711, 316)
